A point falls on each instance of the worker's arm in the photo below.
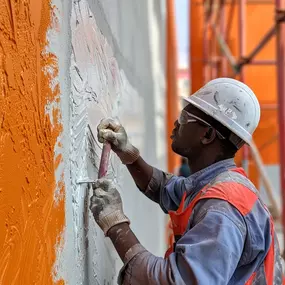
(207, 254)
(141, 172)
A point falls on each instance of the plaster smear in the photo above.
(98, 89)
(31, 217)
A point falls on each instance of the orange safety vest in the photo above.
(239, 196)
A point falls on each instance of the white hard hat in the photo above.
(232, 103)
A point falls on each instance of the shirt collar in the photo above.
(198, 180)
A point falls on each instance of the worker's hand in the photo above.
(106, 205)
(112, 131)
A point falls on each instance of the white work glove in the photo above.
(106, 205)
(112, 131)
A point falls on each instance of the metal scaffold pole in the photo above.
(171, 76)
(280, 50)
(242, 51)
(221, 30)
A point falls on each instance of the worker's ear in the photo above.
(209, 136)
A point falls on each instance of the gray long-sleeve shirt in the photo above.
(214, 250)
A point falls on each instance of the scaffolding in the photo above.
(221, 62)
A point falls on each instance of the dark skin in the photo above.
(197, 142)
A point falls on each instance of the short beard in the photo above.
(188, 152)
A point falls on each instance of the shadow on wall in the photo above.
(125, 26)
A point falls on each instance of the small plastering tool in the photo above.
(104, 161)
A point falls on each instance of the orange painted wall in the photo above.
(262, 79)
(30, 219)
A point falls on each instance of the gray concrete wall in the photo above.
(111, 63)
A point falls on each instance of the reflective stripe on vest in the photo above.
(234, 187)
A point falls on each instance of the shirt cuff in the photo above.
(132, 252)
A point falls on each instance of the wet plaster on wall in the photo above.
(31, 196)
(93, 86)
(140, 56)
(120, 23)
(96, 86)
(60, 45)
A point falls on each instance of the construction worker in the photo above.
(224, 234)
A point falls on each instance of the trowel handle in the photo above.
(103, 168)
